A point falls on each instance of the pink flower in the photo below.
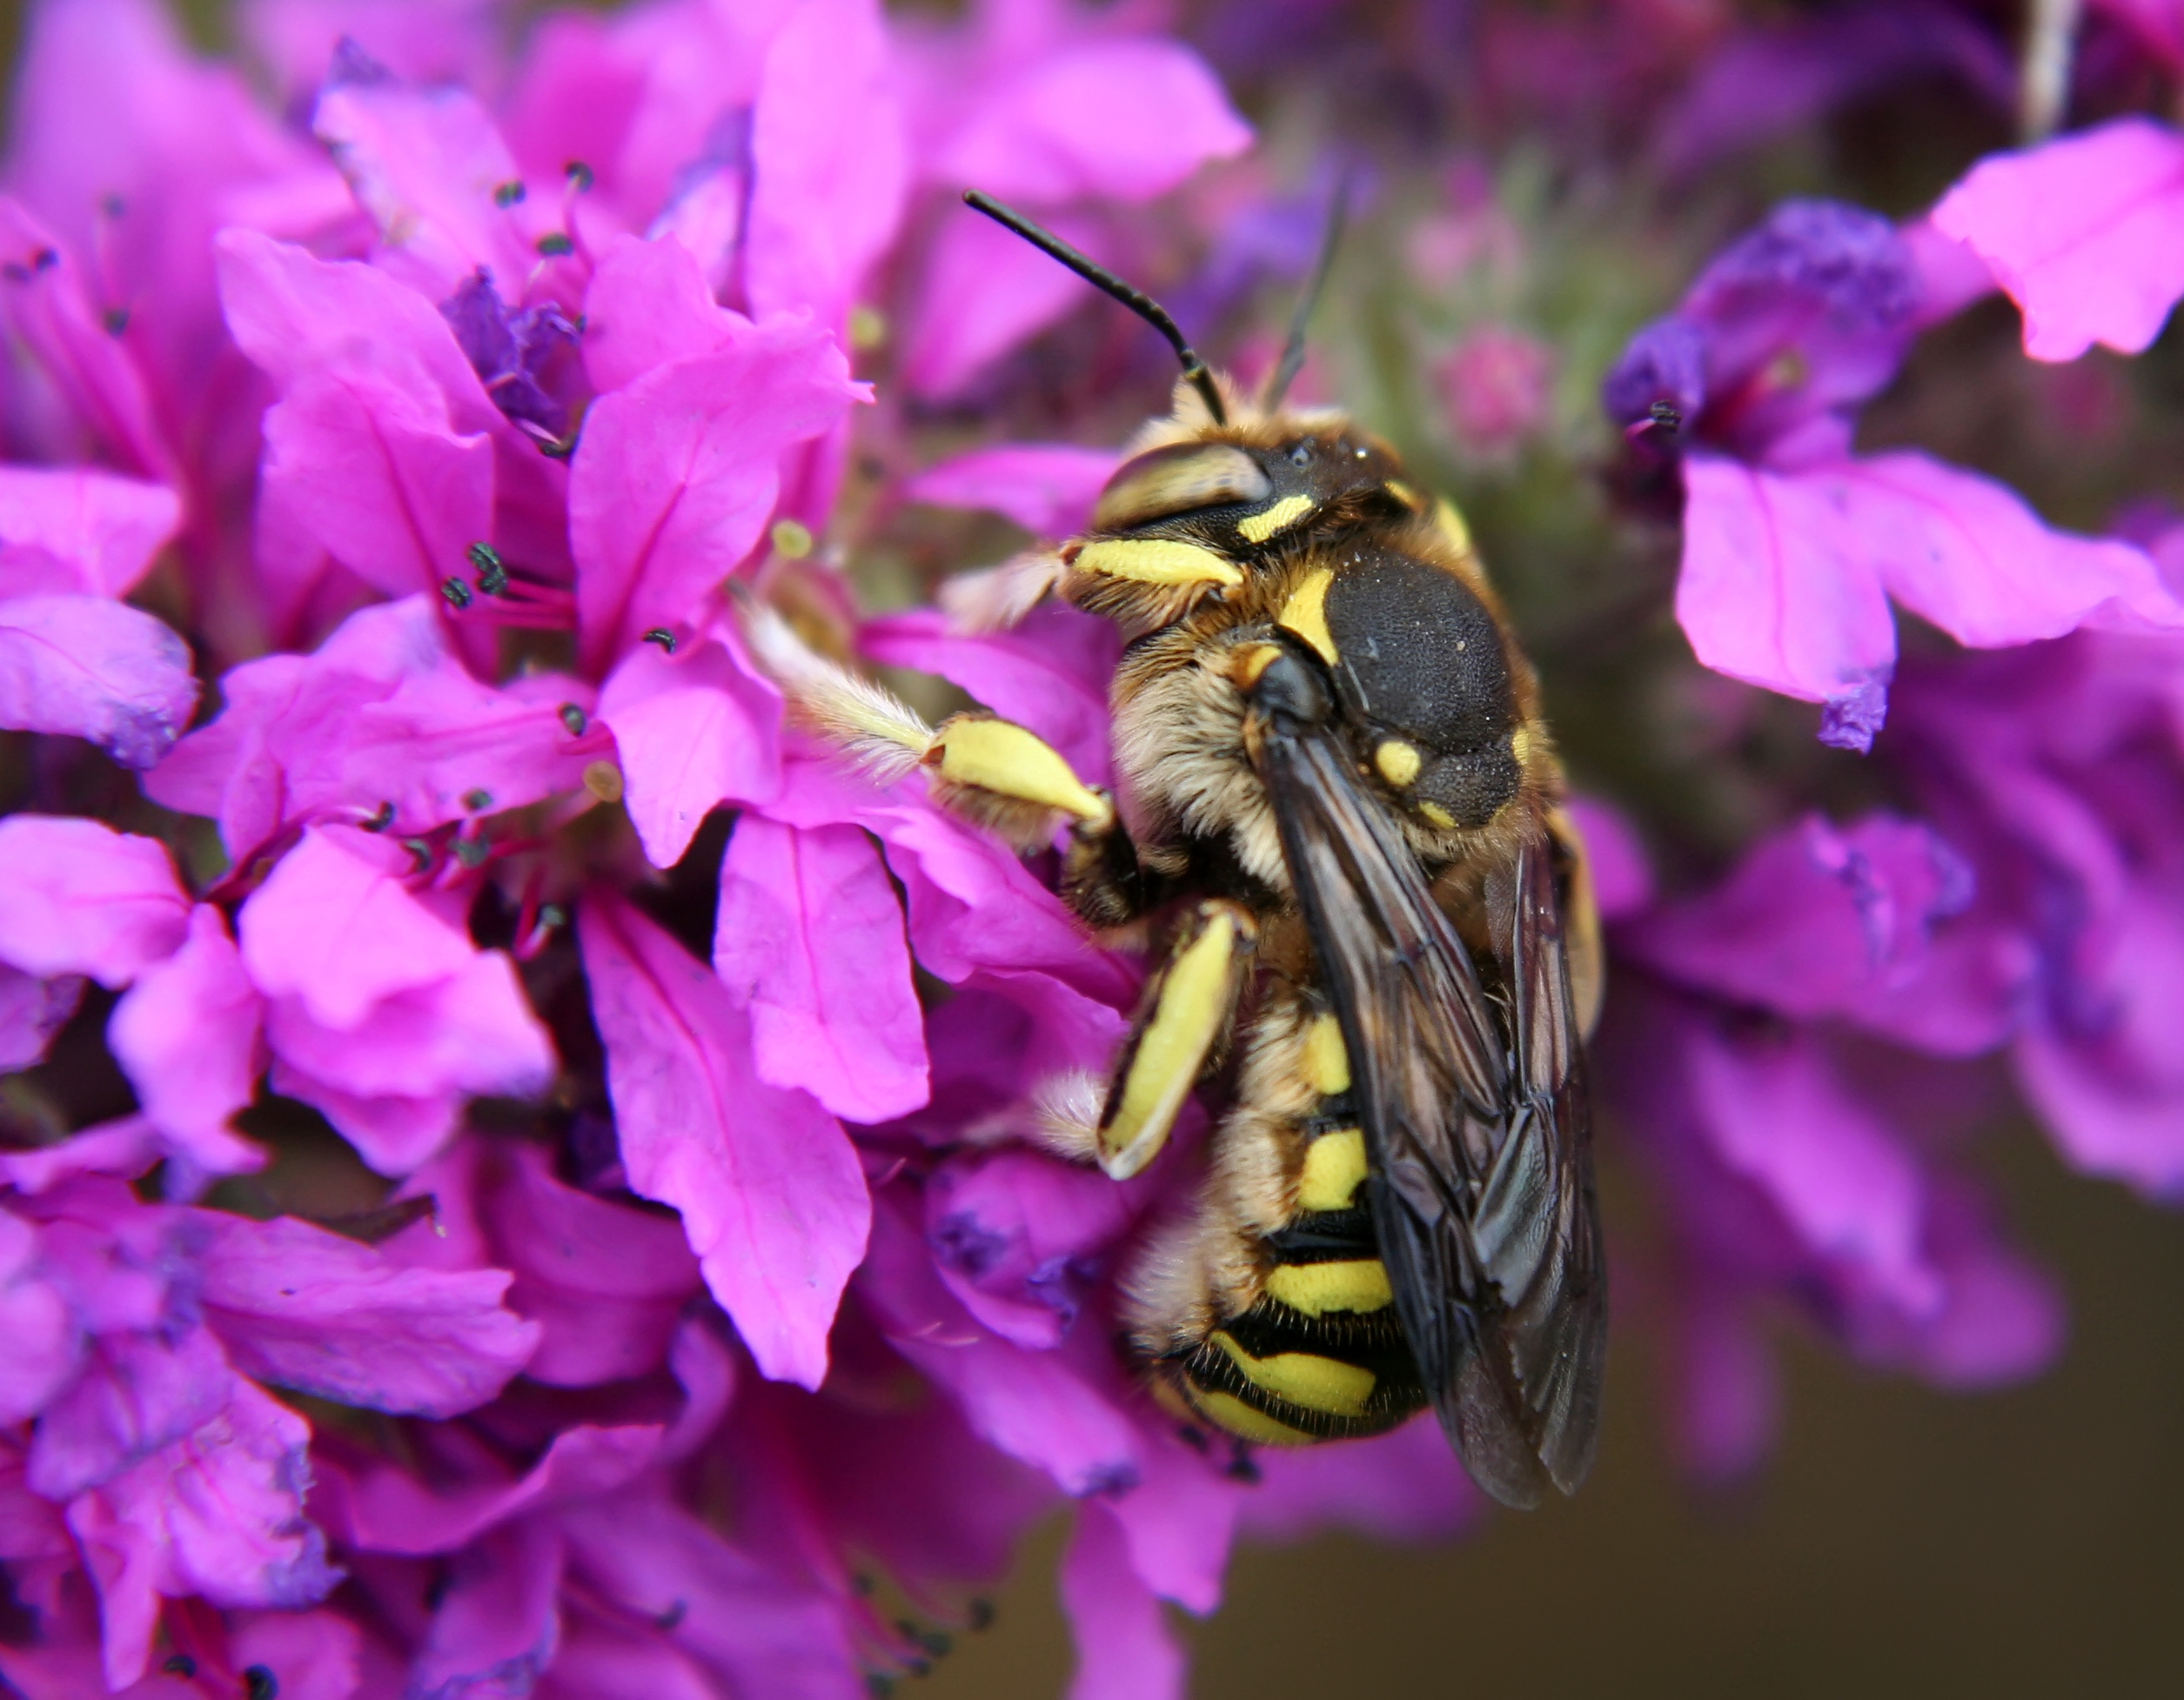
(1494, 390)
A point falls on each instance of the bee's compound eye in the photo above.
(1301, 455)
(1176, 479)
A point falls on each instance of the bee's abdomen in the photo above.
(1320, 1356)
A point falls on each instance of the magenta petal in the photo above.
(1126, 118)
(425, 163)
(985, 291)
(649, 304)
(2081, 231)
(1020, 1238)
(770, 1189)
(1406, 1486)
(304, 1308)
(499, 1624)
(94, 668)
(72, 530)
(43, 1343)
(32, 1010)
(809, 940)
(390, 1510)
(81, 897)
(1728, 1392)
(680, 472)
(313, 1655)
(695, 729)
(1777, 588)
(125, 1147)
(830, 160)
(186, 1035)
(392, 490)
(137, 1394)
(334, 926)
(1124, 1650)
(1050, 673)
(1047, 488)
(1622, 877)
(219, 1514)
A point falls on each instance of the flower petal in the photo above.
(831, 161)
(1047, 488)
(648, 306)
(81, 897)
(1124, 1650)
(96, 669)
(32, 1010)
(72, 530)
(304, 1308)
(187, 1035)
(499, 1623)
(770, 1189)
(219, 1514)
(312, 1654)
(2081, 232)
(987, 290)
(809, 940)
(680, 469)
(695, 729)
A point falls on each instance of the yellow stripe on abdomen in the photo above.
(1303, 1378)
(1334, 1168)
(1225, 1411)
(1351, 1283)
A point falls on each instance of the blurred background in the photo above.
(1534, 181)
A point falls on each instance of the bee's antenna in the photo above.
(1100, 277)
(1292, 361)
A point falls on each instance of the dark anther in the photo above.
(939, 1642)
(862, 1582)
(180, 1665)
(420, 853)
(877, 1686)
(115, 321)
(259, 1684)
(663, 637)
(456, 591)
(1667, 415)
(507, 194)
(382, 818)
(477, 802)
(44, 260)
(674, 1614)
(920, 1667)
(981, 1614)
(112, 205)
(554, 244)
(580, 174)
(580, 323)
(553, 914)
(574, 718)
(471, 851)
(1242, 1468)
(492, 571)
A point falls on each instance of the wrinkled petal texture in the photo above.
(809, 940)
(188, 1036)
(1124, 1650)
(769, 1188)
(74, 529)
(95, 669)
(80, 898)
(2086, 233)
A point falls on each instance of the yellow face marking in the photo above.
(1326, 1063)
(1452, 525)
(1226, 1411)
(1283, 514)
(1303, 1378)
(1440, 816)
(1305, 614)
(1193, 1003)
(1002, 757)
(1403, 493)
(1157, 560)
(1334, 1170)
(1398, 762)
(1359, 1284)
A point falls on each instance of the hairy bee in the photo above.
(1339, 829)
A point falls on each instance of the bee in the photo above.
(1339, 831)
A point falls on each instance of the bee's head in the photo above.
(1259, 475)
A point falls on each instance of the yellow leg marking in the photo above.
(1334, 1168)
(1193, 1002)
(1440, 816)
(1398, 762)
(1000, 756)
(1283, 513)
(1403, 493)
(1359, 1283)
(1326, 1063)
(1303, 1378)
(1225, 1410)
(1248, 662)
(1305, 614)
(1152, 560)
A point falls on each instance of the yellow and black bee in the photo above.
(1338, 827)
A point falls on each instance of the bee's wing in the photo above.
(1482, 1188)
